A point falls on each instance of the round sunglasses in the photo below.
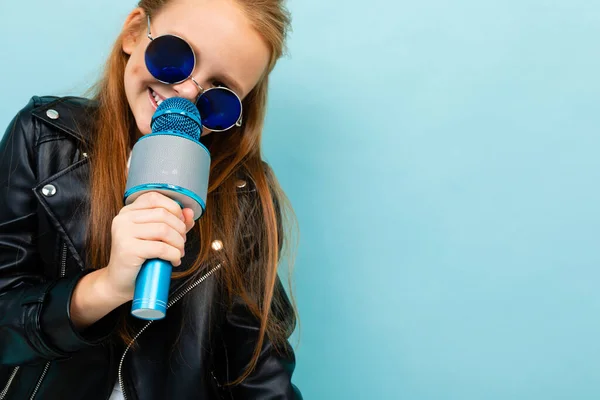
(170, 59)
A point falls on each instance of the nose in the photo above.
(188, 89)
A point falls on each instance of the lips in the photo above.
(155, 98)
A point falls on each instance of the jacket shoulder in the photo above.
(69, 114)
(63, 101)
(38, 104)
(21, 125)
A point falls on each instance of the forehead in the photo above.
(222, 36)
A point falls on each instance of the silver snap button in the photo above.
(84, 155)
(217, 245)
(240, 184)
(49, 190)
(52, 114)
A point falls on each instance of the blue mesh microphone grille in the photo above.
(180, 115)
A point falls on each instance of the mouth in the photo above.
(155, 98)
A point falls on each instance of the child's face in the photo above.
(229, 52)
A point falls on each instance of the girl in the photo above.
(70, 252)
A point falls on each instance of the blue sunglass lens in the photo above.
(170, 59)
(219, 108)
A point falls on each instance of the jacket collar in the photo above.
(71, 115)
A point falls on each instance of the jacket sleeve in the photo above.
(272, 377)
(35, 324)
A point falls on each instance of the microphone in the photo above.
(172, 161)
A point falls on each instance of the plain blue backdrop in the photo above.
(443, 161)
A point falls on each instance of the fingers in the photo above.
(188, 213)
(164, 251)
(155, 200)
(158, 215)
(161, 232)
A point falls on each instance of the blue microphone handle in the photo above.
(152, 290)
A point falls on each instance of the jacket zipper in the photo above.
(63, 262)
(12, 377)
(169, 304)
(63, 270)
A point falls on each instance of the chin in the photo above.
(144, 129)
(142, 121)
(143, 125)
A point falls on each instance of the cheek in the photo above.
(135, 71)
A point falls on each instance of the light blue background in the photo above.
(442, 158)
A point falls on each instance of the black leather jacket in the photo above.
(44, 173)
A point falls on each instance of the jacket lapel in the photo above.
(64, 195)
(68, 208)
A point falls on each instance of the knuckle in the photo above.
(163, 230)
(175, 254)
(153, 197)
(180, 243)
(175, 251)
(163, 213)
(144, 197)
(165, 251)
(159, 196)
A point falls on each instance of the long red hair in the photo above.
(235, 150)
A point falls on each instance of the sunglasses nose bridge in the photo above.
(200, 89)
(188, 89)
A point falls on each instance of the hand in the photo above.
(153, 226)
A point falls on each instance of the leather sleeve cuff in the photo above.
(55, 319)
